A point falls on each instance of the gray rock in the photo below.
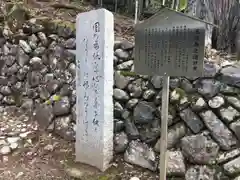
(140, 154)
(52, 86)
(9, 60)
(135, 88)
(175, 133)
(43, 38)
(131, 130)
(25, 46)
(5, 90)
(235, 126)
(174, 83)
(121, 95)
(149, 135)
(175, 165)
(224, 157)
(120, 142)
(118, 110)
(157, 81)
(70, 43)
(61, 107)
(200, 173)
(36, 63)
(120, 53)
(198, 103)
(43, 93)
(208, 87)
(3, 81)
(171, 114)
(132, 103)
(186, 85)
(237, 178)
(229, 114)
(125, 66)
(34, 79)
(27, 105)
(121, 81)
(9, 100)
(230, 75)
(22, 73)
(33, 40)
(22, 58)
(5, 150)
(143, 112)
(64, 127)
(44, 115)
(192, 120)
(118, 125)
(234, 101)
(232, 168)
(198, 149)
(126, 114)
(216, 102)
(12, 70)
(116, 61)
(158, 98)
(126, 45)
(39, 51)
(148, 94)
(218, 130)
(229, 90)
(210, 68)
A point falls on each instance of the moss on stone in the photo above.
(65, 24)
(16, 15)
(181, 92)
(18, 98)
(128, 73)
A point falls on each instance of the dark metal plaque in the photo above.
(176, 48)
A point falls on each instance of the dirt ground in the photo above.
(44, 156)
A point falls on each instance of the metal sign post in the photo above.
(167, 44)
(164, 129)
(136, 12)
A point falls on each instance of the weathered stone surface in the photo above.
(192, 120)
(175, 166)
(219, 131)
(200, 173)
(143, 112)
(198, 149)
(233, 167)
(226, 156)
(174, 135)
(230, 75)
(140, 154)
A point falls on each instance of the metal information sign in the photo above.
(169, 44)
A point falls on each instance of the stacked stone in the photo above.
(38, 75)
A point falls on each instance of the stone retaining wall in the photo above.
(38, 75)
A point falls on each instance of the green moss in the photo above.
(17, 98)
(181, 93)
(128, 73)
(65, 24)
(56, 98)
(48, 102)
(16, 15)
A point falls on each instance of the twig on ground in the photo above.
(67, 6)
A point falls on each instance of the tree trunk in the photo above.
(223, 13)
